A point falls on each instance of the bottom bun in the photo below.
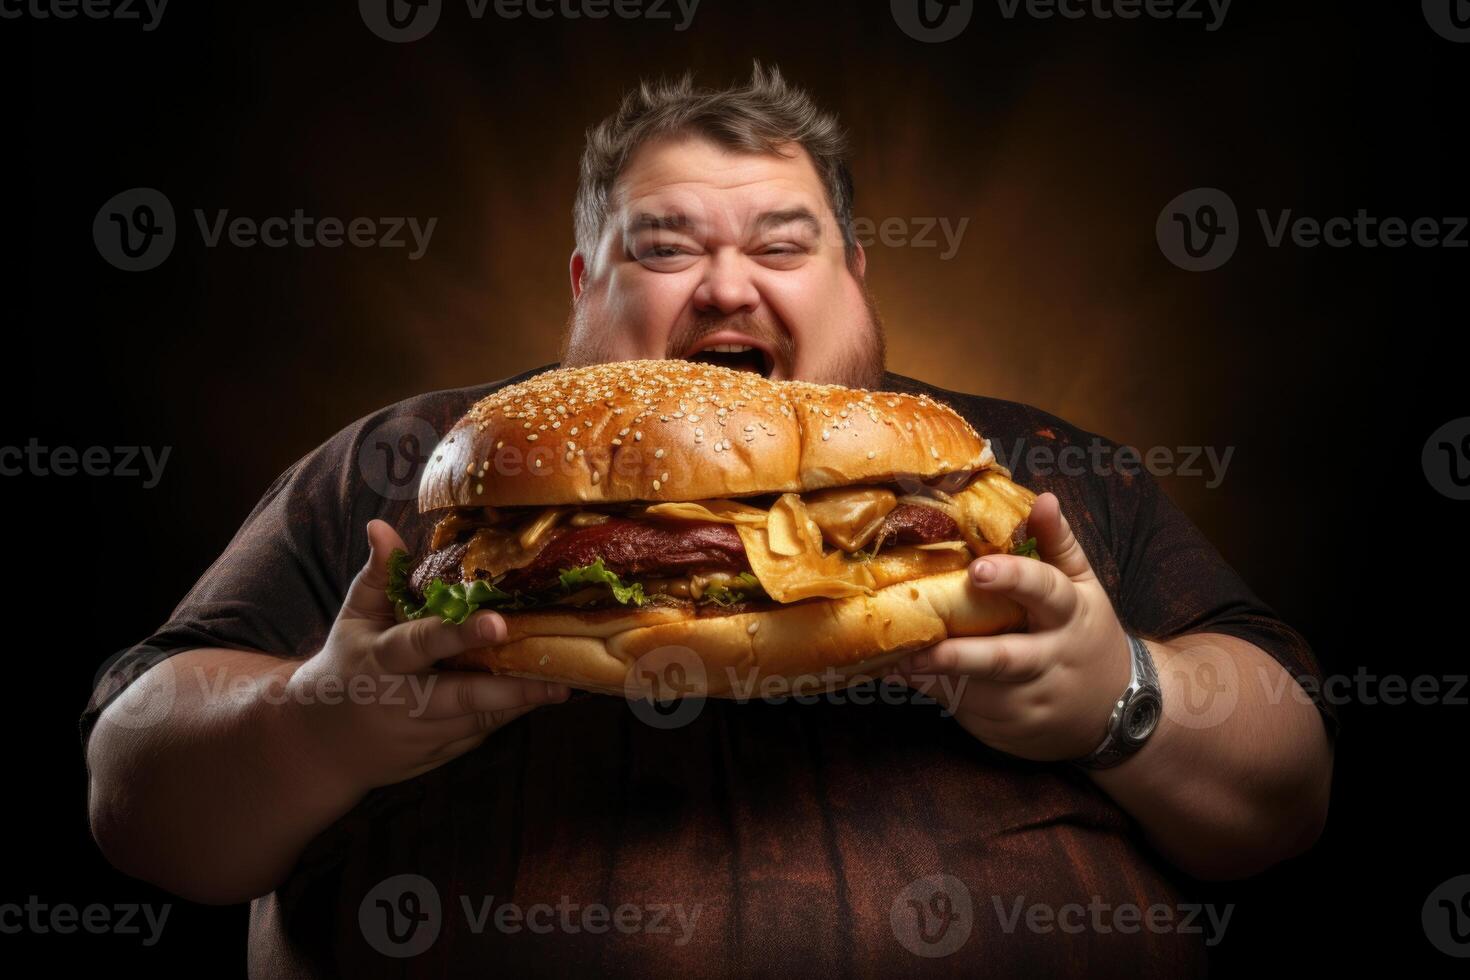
(811, 646)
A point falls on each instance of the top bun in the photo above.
(676, 430)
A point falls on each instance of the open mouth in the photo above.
(739, 357)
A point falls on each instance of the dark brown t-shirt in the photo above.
(862, 835)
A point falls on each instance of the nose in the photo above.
(727, 287)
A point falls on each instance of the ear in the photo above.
(862, 261)
(579, 273)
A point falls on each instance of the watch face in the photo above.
(1141, 718)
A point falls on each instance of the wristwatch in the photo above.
(1135, 716)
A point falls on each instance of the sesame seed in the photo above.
(617, 442)
(538, 462)
(623, 432)
(532, 437)
(655, 484)
(658, 454)
(637, 437)
(826, 435)
(664, 477)
(596, 476)
(755, 624)
(871, 454)
(479, 488)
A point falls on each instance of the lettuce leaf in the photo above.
(597, 574)
(1028, 549)
(454, 603)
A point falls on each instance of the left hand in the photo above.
(1046, 694)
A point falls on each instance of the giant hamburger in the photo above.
(768, 529)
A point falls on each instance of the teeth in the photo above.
(730, 348)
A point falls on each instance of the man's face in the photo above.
(706, 249)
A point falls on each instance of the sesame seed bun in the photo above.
(674, 430)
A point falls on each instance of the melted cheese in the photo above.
(850, 516)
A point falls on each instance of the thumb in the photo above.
(367, 597)
(1055, 542)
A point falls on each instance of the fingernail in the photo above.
(919, 662)
(982, 570)
(489, 628)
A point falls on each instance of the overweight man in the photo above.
(1039, 802)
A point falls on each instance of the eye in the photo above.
(782, 254)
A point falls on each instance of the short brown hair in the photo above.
(758, 117)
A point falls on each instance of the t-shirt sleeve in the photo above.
(1173, 581)
(277, 586)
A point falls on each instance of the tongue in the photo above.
(750, 360)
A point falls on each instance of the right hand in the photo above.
(410, 718)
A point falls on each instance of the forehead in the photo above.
(674, 169)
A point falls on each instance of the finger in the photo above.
(1010, 658)
(482, 722)
(461, 692)
(367, 597)
(1048, 596)
(1055, 542)
(417, 645)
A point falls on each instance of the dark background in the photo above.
(1326, 368)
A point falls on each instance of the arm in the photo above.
(215, 801)
(1247, 788)
(1221, 796)
(212, 772)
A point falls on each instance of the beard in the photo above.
(860, 365)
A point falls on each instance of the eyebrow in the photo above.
(765, 221)
(789, 216)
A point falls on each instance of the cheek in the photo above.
(824, 311)
(642, 308)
